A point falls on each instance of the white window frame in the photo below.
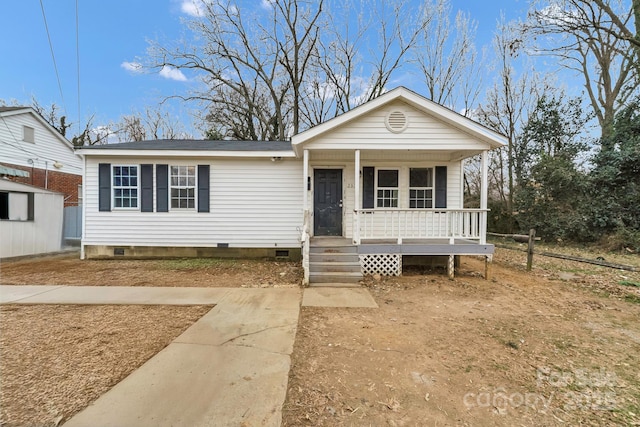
(183, 187)
(28, 134)
(129, 187)
(397, 189)
(19, 206)
(432, 188)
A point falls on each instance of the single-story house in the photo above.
(30, 219)
(351, 196)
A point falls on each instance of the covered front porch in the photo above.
(334, 215)
(388, 178)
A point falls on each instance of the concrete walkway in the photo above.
(230, 368)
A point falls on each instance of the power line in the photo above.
(78, 63)
(53, 56)
(21, 148)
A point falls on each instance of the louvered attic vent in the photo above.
(396, 121)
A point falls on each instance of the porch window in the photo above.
(183, 187)
(125, 186)
(387, 188)
(420, 188)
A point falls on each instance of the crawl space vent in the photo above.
(396, 121)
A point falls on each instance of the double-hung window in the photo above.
(387, 188)
(183, 187)
(420, 188)
(125, 187)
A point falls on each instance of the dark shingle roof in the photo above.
(197, 145)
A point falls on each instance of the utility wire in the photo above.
(21, 148)
(78, 64)
(53, 56)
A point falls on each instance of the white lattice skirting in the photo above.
(383, 264)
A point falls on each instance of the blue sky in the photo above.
(113, 33)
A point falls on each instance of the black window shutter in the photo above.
(162, 188)
(146, 182)
(368, 187)
(203, 188)
(441, 187)
(104, 187)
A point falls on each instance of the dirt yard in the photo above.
(56, 359)
(557, 346)
(202, 272)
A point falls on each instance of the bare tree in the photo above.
(243, 57)
(342, 77)
(296, 45)
(617, 21)
(399, 26)
(52, 115)
(332, 87)
(507, 106)
(448, 61)
(130, 128)
(151, 124)
(584, 38)
(272, 71)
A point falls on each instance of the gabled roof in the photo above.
(450, 117)
(191, 147)
(5, 109)
(10, 111)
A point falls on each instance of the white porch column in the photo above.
(305, 217)
(305, 180)
(356, 201)
(484, 190)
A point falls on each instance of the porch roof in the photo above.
(483, 137)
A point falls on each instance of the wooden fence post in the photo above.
(532, 239)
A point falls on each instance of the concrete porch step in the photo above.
(334, 285)
(334, 277)
(334, 262)
(333, 249)
(325, 267)
(338, 258)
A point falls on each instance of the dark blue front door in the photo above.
(327, 202)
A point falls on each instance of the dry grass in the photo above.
(56, 359)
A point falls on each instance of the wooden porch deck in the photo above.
(409, 246)
(425, 247)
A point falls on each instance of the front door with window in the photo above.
(327, 202)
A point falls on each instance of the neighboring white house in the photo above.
(351, 196)
(33, 152)
(30, 220)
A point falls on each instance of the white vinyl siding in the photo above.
(253, 203)
(28, 134)
(47, 148)
(370, 133)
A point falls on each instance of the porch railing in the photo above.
(304, 241)
(399, 224)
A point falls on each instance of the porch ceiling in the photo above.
(394, 155)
